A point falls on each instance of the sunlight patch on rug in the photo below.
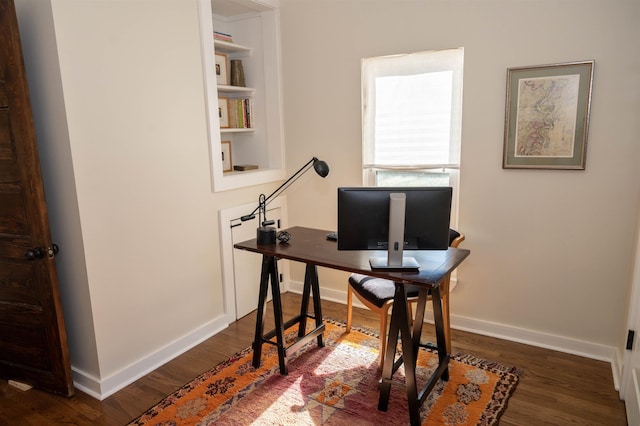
(334, 385)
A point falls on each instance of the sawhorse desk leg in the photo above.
(311, 285)
(410, 340)
(270, 273)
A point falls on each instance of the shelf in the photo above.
(225, 46)
(238, 179)
(242, 172)
(234, 89)
(237, 130)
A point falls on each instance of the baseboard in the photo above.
(506, 332)
(101, 388)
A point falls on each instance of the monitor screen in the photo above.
(363, 217)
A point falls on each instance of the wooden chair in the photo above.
(377, 295)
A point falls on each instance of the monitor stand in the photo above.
(395, 261)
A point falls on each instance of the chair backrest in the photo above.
(455, 238)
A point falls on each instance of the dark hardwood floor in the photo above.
(555, 388)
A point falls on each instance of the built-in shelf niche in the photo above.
(254, 27)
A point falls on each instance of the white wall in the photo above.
(551, 251)
(119, 108)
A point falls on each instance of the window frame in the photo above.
(440, 60)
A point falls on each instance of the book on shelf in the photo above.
(240, 113)
(233, 114)
(243, 167)
(247, 113)
(217, 35)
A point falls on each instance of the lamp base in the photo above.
(266, 235)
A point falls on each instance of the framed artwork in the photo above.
(223, 112)
(547, 116)
(222, 75)
(227, 164)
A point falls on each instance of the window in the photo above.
(412, 119)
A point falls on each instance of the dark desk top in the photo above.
(309, 245)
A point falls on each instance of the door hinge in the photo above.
(630, 336)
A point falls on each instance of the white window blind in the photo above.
(412, 110)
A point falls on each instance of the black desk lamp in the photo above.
(265, 233)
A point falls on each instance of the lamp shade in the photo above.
(321, 167)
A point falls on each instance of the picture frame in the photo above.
(222, 72)
(547, 116)
(227, 163)
(223, 112)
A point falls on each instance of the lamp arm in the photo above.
(281, 188)
(286, 185)
(289, 181)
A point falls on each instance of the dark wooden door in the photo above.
(33, 341)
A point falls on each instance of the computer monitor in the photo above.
(394, 219)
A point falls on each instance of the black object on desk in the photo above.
(311, 246)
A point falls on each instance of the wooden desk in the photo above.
(311, 247)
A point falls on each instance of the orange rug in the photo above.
(334, 385)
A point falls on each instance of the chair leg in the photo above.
(384, 322)
(445, 315)
(349, 307)
(410, 308)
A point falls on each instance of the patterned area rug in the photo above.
(334, 385)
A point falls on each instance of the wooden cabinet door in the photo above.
(33, 341)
